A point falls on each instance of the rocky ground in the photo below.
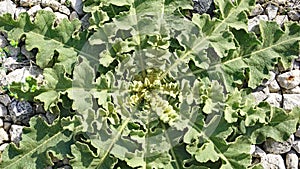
(281, 90)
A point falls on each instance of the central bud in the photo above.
(154, 92)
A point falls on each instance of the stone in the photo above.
(276, 147)
(3, 41)
(3, 136)
(73, 16)
(295, 90)
(60, 16)
(12, 51)
(258, 152)
(20, 111)
(7, 6)
(294, 15)
(280, 2)
(6, 125)
(271, 11)
(257, 10)
(29, 3)
(296, 145)
(65, 10)
(1, 123)
(272, 161)
(5, 99)
(289, 79)
(254, 22)
(3, 110)
(18, 75)
(297, 134)
(259, 96)
(274, 99)
(290, 101)
(77, 5)
(291, 160)
(48, 9)
(274, 86)
(85, 21)
(19, 10)
(32, 11)
(16, 133)
(281, 19)
(51, 117)
(51, 3)
(3, 146)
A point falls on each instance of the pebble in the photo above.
(254, 22)
(274, 99)
(29, 3)
(18, 75)
(51, 3)
(291, 160)
(13, 51)
(65, 10)
(85, 21)
(289, 79)
(296, 145)
(276, 147)
(274, 86)
(19, 10)
(5, 99)
(203, 6)
(20, 111)
(290, 101)
(60, 16)
(3, 146)
(1, 123)
(259, 96)
(77, 5)
(3, 41)
(48, 9)
(258, 152)
(3, 110)
(257, 10)
(7, 6)
(281, 19)
(294, 15)
(3, 136)
(50, 117)
(73, 16)
(297, 134)
(32, 11)
(16, 133)
(26, 53)
(271, 11)
(6, 125)
(295, 90)
(280, 2)
(272, 161)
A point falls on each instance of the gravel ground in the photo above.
(280, 90)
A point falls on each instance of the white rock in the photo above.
(12, 51)
(297, 134)
(289, 79)
(259, 96)
(271, 11)
(254, 22)
(272, 77)
(77, 6)
(3, 41)
(3, 136)
(48, 9)
(60, 16)
(32, 11)
(18, 75)
(65, 10)
(19, 10)
(252, 149)
(276, 147)
(257, 10)
(272, 161)
(290, 101)
(291, 160)
(20, 111)
(294, 15)
(3, 146)
(6, 126)
(274, 86)
(258, 152)
(29, 3)
(73, 16)
(3, 110)
(295, 90)
(275, 99)
(280, 19)
(280, 2)
(1, 123)
(296, 145)
(16, 133)
(51, 3)
(7, 6)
